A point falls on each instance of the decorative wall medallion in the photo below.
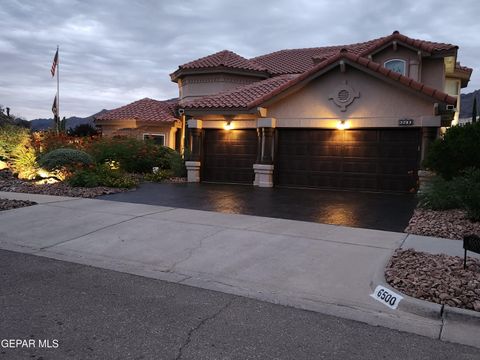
(343, 96)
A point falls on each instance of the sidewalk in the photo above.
(312, 266)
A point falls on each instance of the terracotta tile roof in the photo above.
(253, 95)
(240, 97)
(294, 61)
(364, 62)
(221, 59)
(144, 110)
(463, 68)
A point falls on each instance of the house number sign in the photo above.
(406, 122)
(387, 297)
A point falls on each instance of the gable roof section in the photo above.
(144, 110)
(294, 61)
(240, 97)
(224, 59)
(253, 95)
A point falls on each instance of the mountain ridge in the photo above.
(71, 122)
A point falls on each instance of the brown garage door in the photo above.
(229, 156)
(364, 159)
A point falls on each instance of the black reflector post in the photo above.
(470, 243)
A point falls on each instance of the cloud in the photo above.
(115, 52)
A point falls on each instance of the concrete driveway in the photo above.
(390, 212)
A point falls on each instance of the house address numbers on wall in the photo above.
(406, 122)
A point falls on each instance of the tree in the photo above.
(84, 130)
(474, 110)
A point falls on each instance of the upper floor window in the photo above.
(396, 65)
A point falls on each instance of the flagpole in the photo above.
(58, 92)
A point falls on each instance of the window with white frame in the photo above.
(158, 139)
(397, 65)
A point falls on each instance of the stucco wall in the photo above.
(193, 86)
(137, 132)
(380, 103)
(412, 63)
(433, 73)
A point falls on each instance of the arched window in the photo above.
(396, 65)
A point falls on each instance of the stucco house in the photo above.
(357, 116)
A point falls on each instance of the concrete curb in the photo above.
(461, 326)
(458, 325)
(408, 304)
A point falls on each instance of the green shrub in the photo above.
(458, 150)
(83, 130)
(439, 194)
(65, 158)
(84, 178)
(176, 164)
(159, 175)
(136, 156)
(462, 192)
(468, 191)
(102, 175)
(11, 137)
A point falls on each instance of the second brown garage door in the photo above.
(229, 156)
(364, 159)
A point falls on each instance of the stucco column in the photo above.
(259, 145)
(195, 146)
(429, 134)
(266, 145)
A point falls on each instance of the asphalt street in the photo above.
(101, 314)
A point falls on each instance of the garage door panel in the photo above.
(361, 150)
(324, 149)
(365, 182)
(324, 136)
(365, 167)
(364, 159)
(229, 155)
(360, 136)
(324, 164)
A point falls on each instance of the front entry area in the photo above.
(229, 156)
(360, 159)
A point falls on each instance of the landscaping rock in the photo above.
(10, 183)
(450, 224)
(436, 278)
(6, 204)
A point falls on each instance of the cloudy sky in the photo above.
(113, 52)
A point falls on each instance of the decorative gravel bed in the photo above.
(437, 278)
(6, 204)
(10, 183)
(450, 224)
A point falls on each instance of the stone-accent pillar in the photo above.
(193, 171)
(193, 164)
(265, 156)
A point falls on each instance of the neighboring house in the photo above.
(356, 116)
(144, 119)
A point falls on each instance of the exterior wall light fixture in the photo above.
(228, 125)
(343, 125)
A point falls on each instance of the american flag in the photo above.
(54, 106)
(55, 63)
